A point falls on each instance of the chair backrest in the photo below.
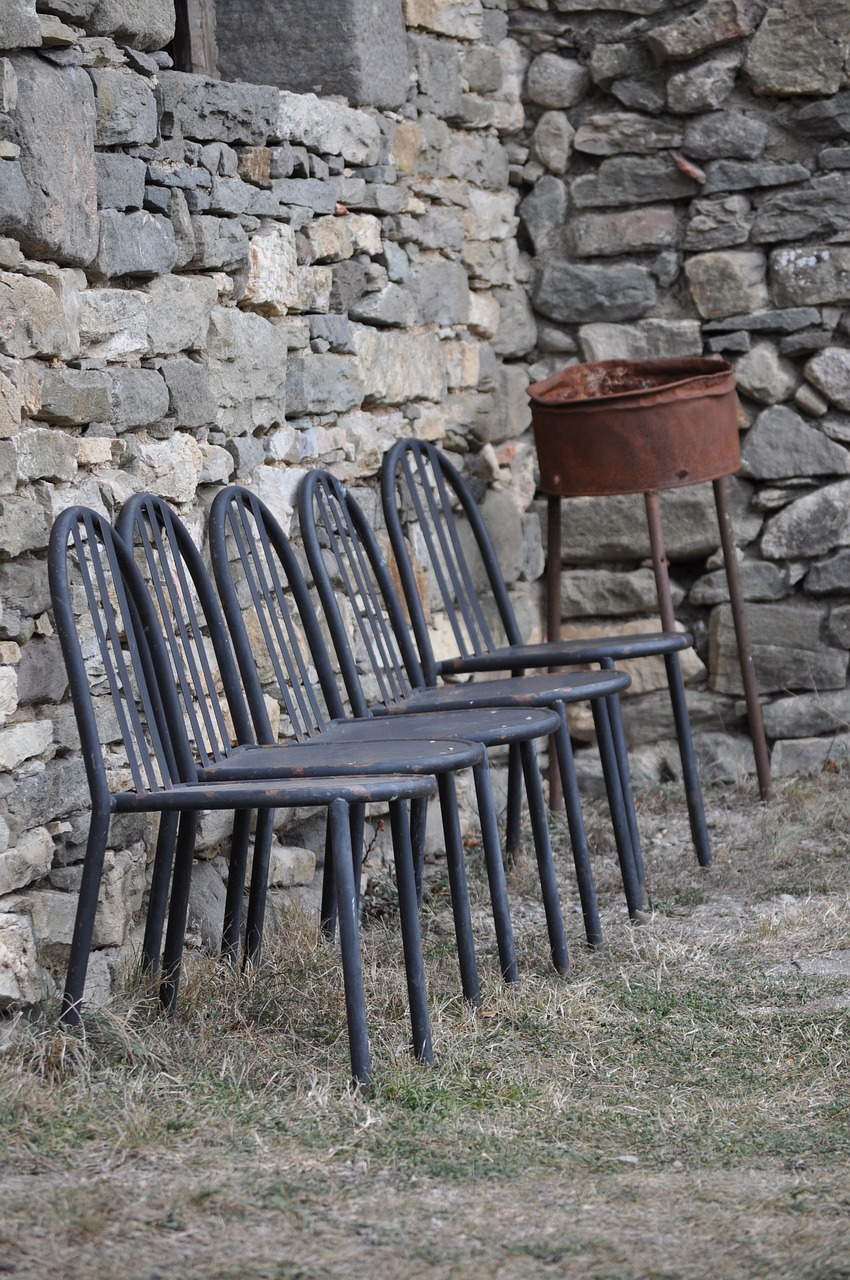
(347, 561)
(111, 641)
(421, 487)
(267, 604)
(200, 653)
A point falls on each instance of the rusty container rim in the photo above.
(631, 384)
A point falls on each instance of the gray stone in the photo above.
(246, 364)
(438, 69)
(723, 284)
(577, 294)
(826, 119)
(23, 525)
(220, 244)
(22, 982)
(509, 415)
(14, 199)
(381, 198)
(805, 342)
(390, 307)
(437, 229)
(356, 49)
(32, 320)
(329, 128)
(811, 526)
(482, 69)
(178, 313)
(614, 528)
(632, 180)
(134, 244)
(729, 134)
(799, 48)
(71, 397)
(139, 397)
(41, 671)
(543, 213)
(705, 86)
(830, 577)
(441, 290)
(311, 193)
(205, 916)
(829, 372)
(787, 320)
(630, 231)
(517, 331)
(787, 650)
(190, 403)
(19, 25)
(808, 400)
(55, 121)
(780, 446)
(552, 140)
(232, 195)
(398, 367)
(30, 860)
(210, 110)
(738, 175)
(120, 181)
(113, 323)
(808, 715)
(819, 209)
(482, 162)
(588, 593)
(45, 455)
(126, 108)
(643, 93)
(646, 340)
(718, 223)
(142, 24)
(614, 132)
(834, 158)
(322, 384)
(759, 581)
(762, 374)
(715, 23)
(838, 631)
(612, 62)
(617, 6)
(809, 275)
(556, 82)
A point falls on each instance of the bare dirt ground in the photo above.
(676, 1107)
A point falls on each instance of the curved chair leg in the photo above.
(255, 918)
(459, 889)
(545, 858)
(349, 937)
(514, 811)
(633, 889)
(495, 872)
(239, 841)
(690, 773)
(78, 963)
(578, 836)
(158, 897)
(175, 934)
(410, 934)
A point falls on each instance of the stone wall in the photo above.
(204, 281)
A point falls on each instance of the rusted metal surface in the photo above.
(628, 426)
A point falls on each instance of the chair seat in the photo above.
(323, 758)
(492, 726)
(530, 691)
(568, 652)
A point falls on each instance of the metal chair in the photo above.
(419, 484)
(347, 562)
(196, 629)
(111, 640)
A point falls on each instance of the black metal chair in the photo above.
(196, 630)
(420, 485)
(347, 562)
(111, 640)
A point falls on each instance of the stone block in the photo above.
(632, 231)
(40, 797)
(178, 313)
(21, 980)
(318, 384)
(543, 213)
(32, 319)
(190, 402)
(790, 759)
(780, 445)
(441, 292)
(646, 340)
(759, 581)
(397, 367)
(41, 671)
(740, 175)
(208, 110)
(126, 108)
(724, 283)
(703, 87)
(220, 244)
(829, 372)
(555, 82)
(390, 307)
(348, 285)
(810, 275)
(246, 363)
(462, 21)
(19, 25)
(171, 468)
(725, 134)
(718, 223)
(55, 121)
(120, 181)
(142, 24)
(45, 455)
(516, 332)
(715, 23)
(438, 71)
(576, 294)
(113, 323)
(134, 244)
(632, 180)
(139, 397)
(798, 48)
(15, 200)
(588, 593)
(808, 715)
(330, 239)
(11, 408)
(328, 127)
(788, 653)
(764, 375)
(276, 284)
(29, 860)
(613, 133)
(20, 742)
(811, 526)
(482, 162)
(72, 397)
(552, 141)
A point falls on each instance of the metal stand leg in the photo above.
(742, 635)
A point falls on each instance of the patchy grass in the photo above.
(677, 1107)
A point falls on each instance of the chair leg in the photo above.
(327, 910)
(618, 733)
(158, 898)
(633, 889)
(690, 773)
(175, 935)
(418, 820)
(78, 962)
(495, 872)
(578, 835)
(545, 857)
(239, 841)
(459, 889)
(259, 886)
(349, 937)
(514, 813)
(410, 934)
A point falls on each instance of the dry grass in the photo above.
(677, 1107)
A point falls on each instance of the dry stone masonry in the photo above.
(388, 223)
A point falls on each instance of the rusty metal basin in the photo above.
(631, 426)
